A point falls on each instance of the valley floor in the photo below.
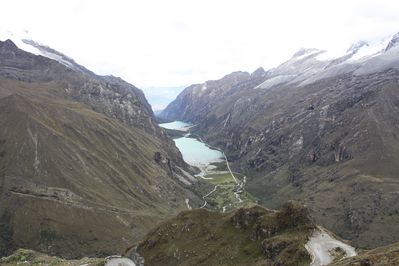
(228, 190)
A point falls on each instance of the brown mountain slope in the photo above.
(75, 181)
(109, 95)
(382, 256)
(84, 170)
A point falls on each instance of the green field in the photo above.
(219, 179)
(224, 197)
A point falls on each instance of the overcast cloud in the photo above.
(174, 43)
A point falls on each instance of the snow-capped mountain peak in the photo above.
(24, 41)
(393, 42)
(9, 45)
(356, 46)
(309, 65)
(50, 53)
(16, 37)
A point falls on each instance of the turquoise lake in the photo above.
(176, 125)
(197, 153)
(194, 151)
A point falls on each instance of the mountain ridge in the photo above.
(321, 132)
(82, 159)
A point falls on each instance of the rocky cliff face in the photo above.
(84, 169)
(109, 95)
(198, 100)
(320, 131)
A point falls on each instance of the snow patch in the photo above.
(17, 38)
(330, 55)
(22, 39)
(275, 81)
(373, 49)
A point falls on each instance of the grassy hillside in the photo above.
(382, 256)
(247, 236)
(75, 182)
(24, 256)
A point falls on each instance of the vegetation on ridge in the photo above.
(246, 236)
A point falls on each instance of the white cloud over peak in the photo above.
(180, 42)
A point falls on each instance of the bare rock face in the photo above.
(8, 47)
(197, 100)
(356, 46)
(393, 43)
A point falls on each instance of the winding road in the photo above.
(211, 192)
(239, 185)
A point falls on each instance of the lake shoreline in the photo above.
(228, 192)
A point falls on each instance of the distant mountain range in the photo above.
(160, 97)
(319, 128)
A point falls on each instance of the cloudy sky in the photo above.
(179, 42)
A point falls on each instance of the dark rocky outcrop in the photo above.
(386, 255)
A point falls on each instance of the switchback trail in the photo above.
(239, 184)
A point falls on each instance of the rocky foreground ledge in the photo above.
(246, 236)
(30, 257)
